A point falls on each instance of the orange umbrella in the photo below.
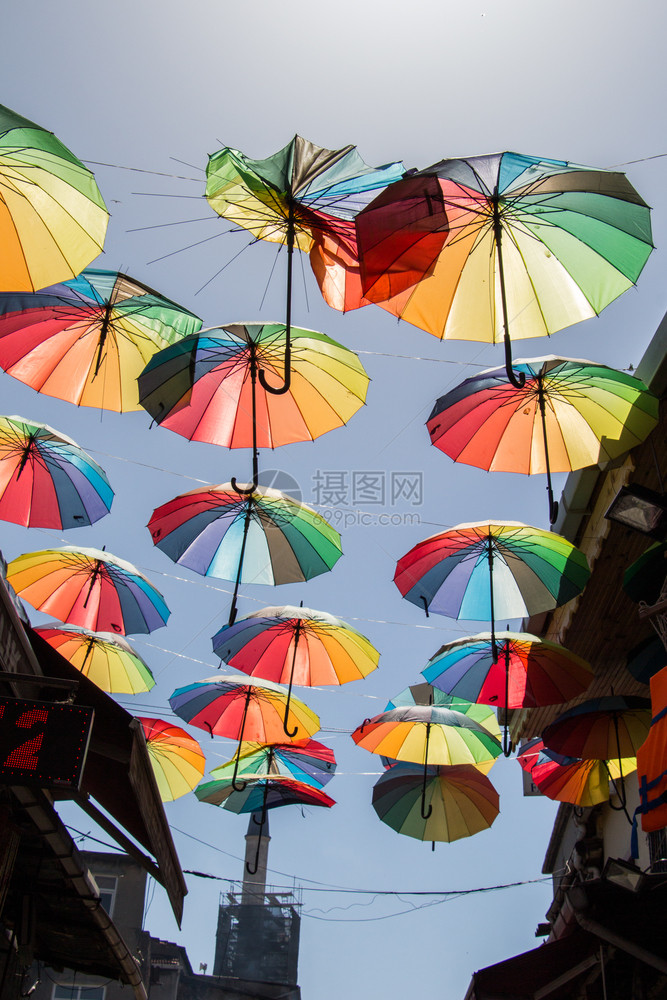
(177, 759)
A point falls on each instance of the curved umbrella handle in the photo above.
(287, 376)
(517, 380)
(507, 743)
(253, 871)
(240, 787)
(424, 814)
(241, 490)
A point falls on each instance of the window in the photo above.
(78, 992)
(107, 885)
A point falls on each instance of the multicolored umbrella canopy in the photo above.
(303, 760)
(90, 588)
(461, 801)
(204, 387)
(527, 246)
(302, 188)
(607, 728)
(300, 646)
(107, 660)
(568, 414)
(296, 645)
(231, 706)
(262, 793)
(485, 571)
(47, 480)
(262, 537)
(427, 734)
(523, 671)
(294, 197)
(425, 694)
(52, 217)
(566, 779)
(177, 759)
(87, 340)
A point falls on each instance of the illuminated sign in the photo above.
(43, 743)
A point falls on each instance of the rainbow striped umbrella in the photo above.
(261, 793)
(527, 245)
(295, 197)
(177, 759)
(261, 537)
(90, 588)
(522, 671)
(568, 414)
(425, 694)
(485, 571)
(87, 340)
(291, 645)
(52, 217)
(303, 760)
(47, 480)
(569, 779)
(205, 387)
(107, 660)
(461, 801)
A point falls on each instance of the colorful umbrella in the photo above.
(304, 760)
(87, 340)
(566, 779)
(177, 759)
(484, 571)
(108, 660)
(258, 795)
(230, 706)
(90, 588)
(292, 197)
(527, 246)
(291, 645)
(606, 728)
(261, 793)
(264, 537)
(427, 734)
(205, 386)
(52, 216)
(568, 414)
(461, 801)
(47, 480)
(425, 694)
(527, 671)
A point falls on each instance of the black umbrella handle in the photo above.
(553, 504)
(245, 491)
(291, 733)
(517, 380)
(424, 814)
(507, 743)
(287, 376)
(239, 787)
(253, 871)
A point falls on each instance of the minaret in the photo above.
(256, 859)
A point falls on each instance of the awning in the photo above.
(50, 903)
(548, 972)
(119, 777)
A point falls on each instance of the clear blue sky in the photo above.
(157, 87)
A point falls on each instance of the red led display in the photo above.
(43, 743)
